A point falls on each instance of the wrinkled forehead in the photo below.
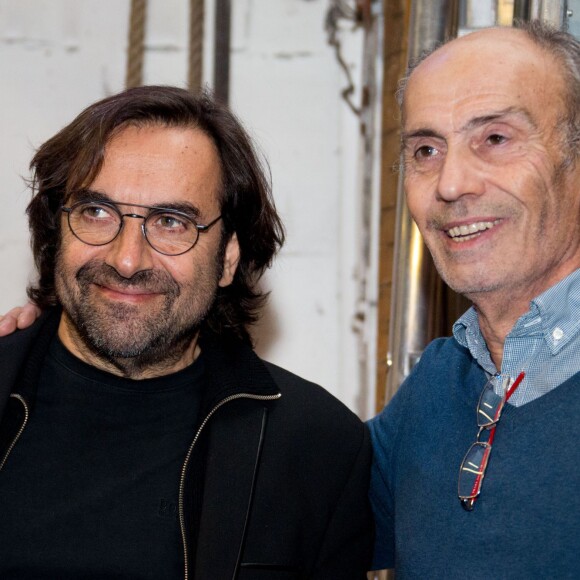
(486, 70)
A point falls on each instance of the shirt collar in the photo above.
(468, 334)
(555, 313)
(467, 324)
(559, 310)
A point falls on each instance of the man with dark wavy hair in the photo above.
(140, 435)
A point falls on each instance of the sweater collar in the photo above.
(232, 367)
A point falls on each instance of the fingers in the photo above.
(19, 317)
(27, 315)
(8, 324)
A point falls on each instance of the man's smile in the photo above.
(469, 231)
(127, 293)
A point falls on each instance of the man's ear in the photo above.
(231, 259)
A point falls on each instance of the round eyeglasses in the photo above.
(167, 231)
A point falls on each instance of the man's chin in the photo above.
(115, 351)
(126, 335)
(134, 340)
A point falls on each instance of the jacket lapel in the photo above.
(21, 356)
(235, 442)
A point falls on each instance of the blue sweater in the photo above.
(526, 522)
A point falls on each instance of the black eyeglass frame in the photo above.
(154, 210)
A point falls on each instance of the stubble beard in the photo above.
(133, 337)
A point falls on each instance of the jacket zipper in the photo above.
(26, 413)
(188, 456)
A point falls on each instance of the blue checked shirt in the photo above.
(544, 342)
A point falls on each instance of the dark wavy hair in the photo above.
(73, 157)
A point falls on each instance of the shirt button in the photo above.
(557, 333)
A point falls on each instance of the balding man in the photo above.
(492, 178)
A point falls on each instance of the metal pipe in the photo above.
(431, 22)
(417, 289)
(551, 11)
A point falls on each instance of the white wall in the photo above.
(57, 56)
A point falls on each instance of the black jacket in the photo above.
(275, 483)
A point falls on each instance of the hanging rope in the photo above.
(222, 47)
(136, 48)
(196, 21)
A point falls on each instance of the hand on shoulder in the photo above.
(19, 317)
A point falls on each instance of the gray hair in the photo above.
(565, 48)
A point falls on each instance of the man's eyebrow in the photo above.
(408, 135)
(182, 206)
(498, 116)
(87, 194)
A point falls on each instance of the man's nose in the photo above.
(461, 174)
(130, 252)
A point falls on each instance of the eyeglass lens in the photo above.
(491, 403)
(169, 232)
(473, 470)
